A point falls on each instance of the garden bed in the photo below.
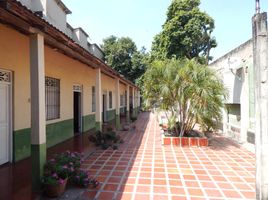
(189, 141)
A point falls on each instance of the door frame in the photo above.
(79, 88)
(9, 83)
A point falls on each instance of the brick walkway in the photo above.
(143, 169)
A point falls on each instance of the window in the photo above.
(52, 98)
(110, 99)
(93, 99)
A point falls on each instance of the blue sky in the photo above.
(141, 20)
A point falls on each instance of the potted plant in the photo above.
(58, 170)
(54, 185)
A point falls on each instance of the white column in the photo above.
(244, 109)
(133, 101)
(260, 62)
(98, 100)
(117, 103)
(38, 120)
(127, 103)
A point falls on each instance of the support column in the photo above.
(127, 114)
(38, 119)
(139, 100)
(244, 99)
(117, 104)
(133, 102)
(260, 60)
(98, 115)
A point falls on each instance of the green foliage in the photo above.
(105, 140)
(191, 92)
(122, 55)
(64, 164)
(82, 179)
(186, 33)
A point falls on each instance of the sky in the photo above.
(141, 20)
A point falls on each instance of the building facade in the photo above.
(236, 70)
(54, 84)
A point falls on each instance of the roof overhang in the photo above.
(19, 17)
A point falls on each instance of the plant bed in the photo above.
(189, 141)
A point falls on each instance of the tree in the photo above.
(191, 92)
(186, 33)
(122, 55)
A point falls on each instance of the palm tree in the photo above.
(191, 92)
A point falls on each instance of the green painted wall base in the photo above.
(88, 122)
(117, 122)
(38, 158)
(55, 133)
(98, 126)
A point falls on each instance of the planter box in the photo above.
(194, 141)
(176, 141)
(185, 141)
(203, 142)
(167, 140)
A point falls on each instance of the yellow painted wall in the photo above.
(14, 56)
(108, 84)
(70, 72)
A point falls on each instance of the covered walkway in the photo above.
(144, 169)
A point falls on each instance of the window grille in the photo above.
(5, 76)
(93, 99)
(110, 99)
(52, 98)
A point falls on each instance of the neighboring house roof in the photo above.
(98, 48)
(63, 6)
(14, 14)
(79, 28)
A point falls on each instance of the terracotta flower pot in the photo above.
(55, 190)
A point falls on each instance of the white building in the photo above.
(236, 70)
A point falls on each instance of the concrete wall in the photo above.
(55, 15)
(26, 3)
(93, 49)
(80, 36)
(236, 70)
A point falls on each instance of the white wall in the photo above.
(233, 78)
(52, 12)
(80, 37)
(26, 3)
(56, 16)
(93, 49)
